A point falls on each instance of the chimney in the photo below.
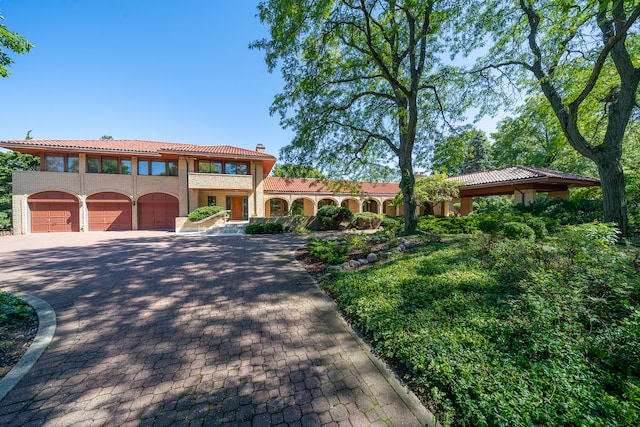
(260, 148)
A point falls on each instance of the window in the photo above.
(158, 167)
(236, 168)
(143, 167)
(206, 166)
(73, 164)
(111, 165)
(211, 200)
(54, 162)
(125, 166)
(93, 164)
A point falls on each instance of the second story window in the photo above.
(208, 166)
(107, 164)
(61, 162)
(156, 167)
(236, 168)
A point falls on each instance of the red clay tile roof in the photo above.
(309, 185)
(518, 174)
(136, 146)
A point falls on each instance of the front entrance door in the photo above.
(237, 208)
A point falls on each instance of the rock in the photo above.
(354, 264)
(335, 267)
(345, 265)
(363, 261)
(372, 257)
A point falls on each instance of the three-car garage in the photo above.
(57, 211)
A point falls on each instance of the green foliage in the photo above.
(264, 228)
(432, 189)
(528, 334)
(534, 138)
(518, 230)
(13, 42)
(467, 150)
(296, 171)
(450, 225)
(538, 226)
(8, 163)
(394, 224)
(204, 212)
(330, 217)
(489, 226)
(329, 252)
(13, 309)
(565, 211)
(366, 221)
(301, 229)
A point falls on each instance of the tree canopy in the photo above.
(365, 86)
(583, 57)
(288, 170)
(10, 41)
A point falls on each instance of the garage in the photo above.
(157, 211)
(109, 211)
(54, 211)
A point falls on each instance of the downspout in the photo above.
(255, 189)
(186, 160)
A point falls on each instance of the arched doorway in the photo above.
(326, 202)
(370, 206)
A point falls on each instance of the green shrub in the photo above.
(5, 220)
(392, 223)
(330, 217)
(204, 212)
(539, 227)
(449, 225)
(13, 309)
(489, 226)
(327, 251)
(366, 221)
(264, 228)
(565, 211)
(518, 230)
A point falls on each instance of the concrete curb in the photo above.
(46, 329)
(424, 416)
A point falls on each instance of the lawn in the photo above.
(495, 331)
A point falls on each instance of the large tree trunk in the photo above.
(407, 183)
(614, 198)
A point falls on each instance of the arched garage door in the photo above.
(53, 211)
(157, 211)
(109, 212)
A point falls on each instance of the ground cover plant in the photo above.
(490, 330)
(18, 328)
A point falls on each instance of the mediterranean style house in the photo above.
(104, 185)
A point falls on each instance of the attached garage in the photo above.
(157, 211)
(109, 211)
(54, 211)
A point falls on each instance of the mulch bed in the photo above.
(15, 339)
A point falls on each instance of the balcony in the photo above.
(214, 181)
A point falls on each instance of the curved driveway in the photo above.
(159, 329)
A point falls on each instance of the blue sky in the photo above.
(160, 70)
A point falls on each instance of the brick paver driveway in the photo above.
(158, 329)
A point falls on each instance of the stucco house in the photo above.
(104, 185)
(87, 185)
